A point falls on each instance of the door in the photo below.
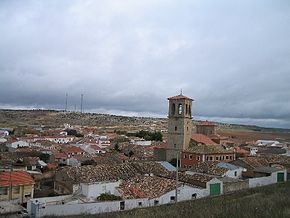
(280, 177)
(215, 189)
(122, 205)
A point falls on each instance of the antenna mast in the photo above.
(82, 97)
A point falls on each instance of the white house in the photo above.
(18, 144)
(266, 176)
(232, 170)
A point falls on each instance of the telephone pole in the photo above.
(66, 95)
(82, 97)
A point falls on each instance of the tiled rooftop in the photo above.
(99, 173)
(207, 149)
(146, 187)
(179, 97)
(15, 178)
(211, 168)
(203, 139)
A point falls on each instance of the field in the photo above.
(269, 201)
(248, 136)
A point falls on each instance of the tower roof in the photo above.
(179, 97)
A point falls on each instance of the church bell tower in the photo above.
(179, 124)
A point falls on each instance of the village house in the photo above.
(55, 139)
(138, 184)
(73, 151)
(18, 144)
(217, 168)
(21, 183)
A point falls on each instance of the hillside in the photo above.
(269, 201)
(53, 118)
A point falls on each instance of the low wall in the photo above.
(86, 208)
(235, 186)
(261, 181)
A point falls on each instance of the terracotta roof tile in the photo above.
(17, 178)
(203, 139)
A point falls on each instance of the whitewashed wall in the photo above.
(266, 180)
(57, 206)
(231, 173)
(96, 189)
(50, 208)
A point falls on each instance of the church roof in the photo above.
(179, 97)
(203, 139)
(205, 123)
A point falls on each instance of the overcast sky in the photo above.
(128, 56)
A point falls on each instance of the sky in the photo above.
(127, 57)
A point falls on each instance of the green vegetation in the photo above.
(269, 201)
(108, 197)
(74, 133)
(148, 136)
(88, 162)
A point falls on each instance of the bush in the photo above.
(108, 197)
(148, 136)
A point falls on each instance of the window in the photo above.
(186, 109)
(185, 156)
(175, 128)
(16, 190)
(190, 157)
(227, 157)
(156, 202)
(180, 109)
(230, 157)
(189, 110)
(174, 145)
(27, 195)
(193, 196)
(3, 190)
(216, 158)
(236, 173)
(210, 158)
(140, 204)
(173, 109)
(172, 198)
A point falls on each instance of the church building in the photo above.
(190, 147)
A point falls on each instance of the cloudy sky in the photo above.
(128, 56)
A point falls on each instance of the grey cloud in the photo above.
(231, 57)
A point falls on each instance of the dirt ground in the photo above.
(247, 136)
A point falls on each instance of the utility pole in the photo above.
(176, 189)
(82, 97)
